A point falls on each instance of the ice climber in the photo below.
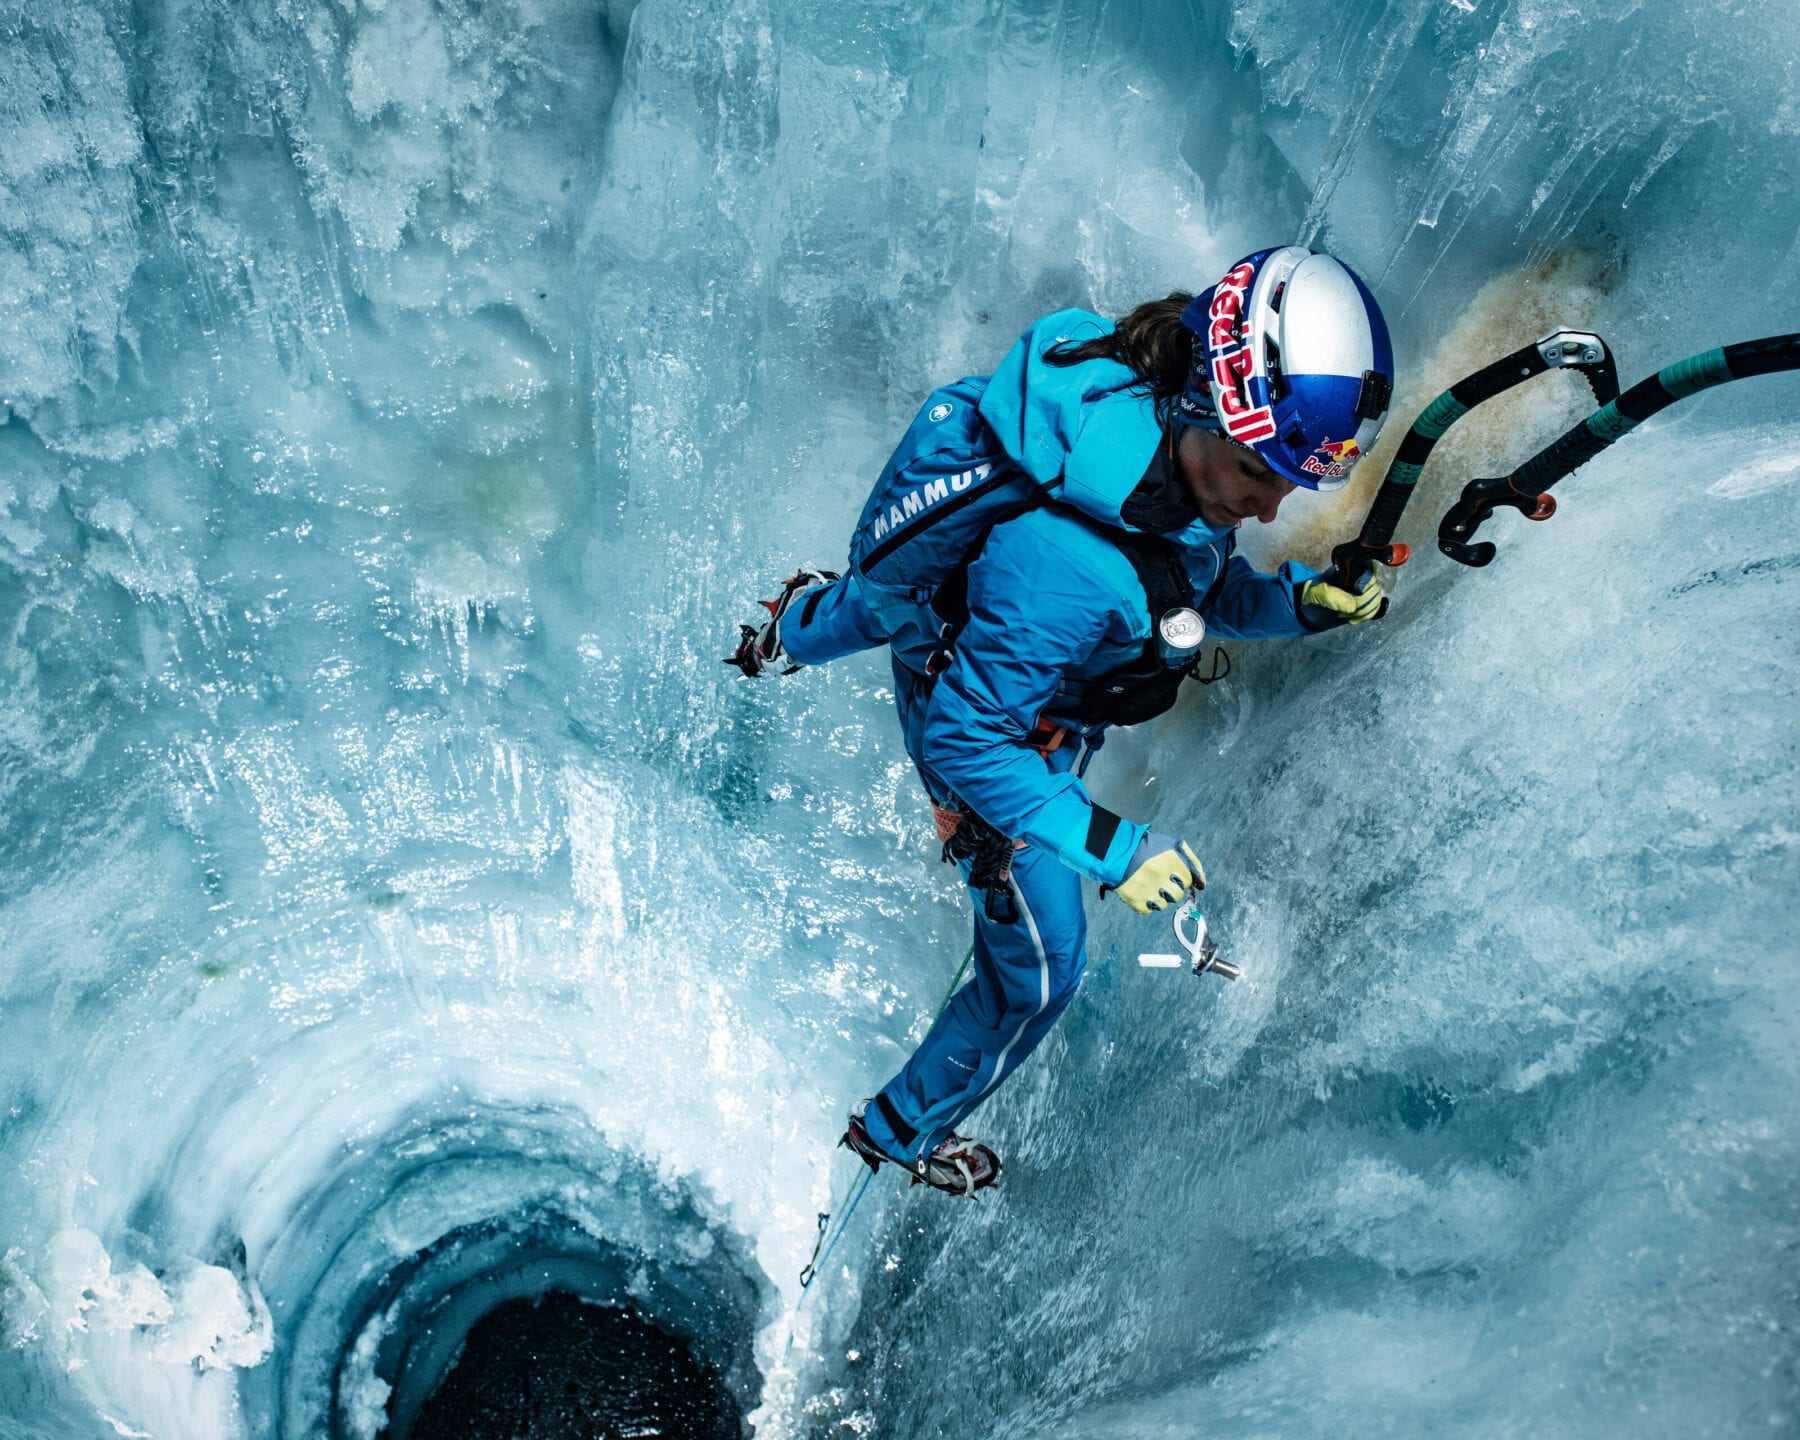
(1038, 555)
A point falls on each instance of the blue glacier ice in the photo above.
(403, 911)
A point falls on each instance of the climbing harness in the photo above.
(990, 857)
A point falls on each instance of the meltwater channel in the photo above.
(431, 985)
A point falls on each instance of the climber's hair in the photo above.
(1151, 341)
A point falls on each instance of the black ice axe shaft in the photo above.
(1561, 349)
(1527, 488)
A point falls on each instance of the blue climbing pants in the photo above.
(1024, 974)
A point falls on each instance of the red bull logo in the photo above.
(1228, 306)
(1231, 363)
(1333, 460)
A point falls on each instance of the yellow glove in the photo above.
(1162, 870)
(1330, 606)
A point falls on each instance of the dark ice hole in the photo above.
(557, 1369)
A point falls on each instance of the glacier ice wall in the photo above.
(403, 912)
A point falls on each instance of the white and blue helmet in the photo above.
(1292, 359)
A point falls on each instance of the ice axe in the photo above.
(1562, 349)
(1527, 488)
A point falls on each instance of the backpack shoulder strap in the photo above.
(1159, 571)
(950, 601)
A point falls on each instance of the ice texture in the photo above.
(403, 911)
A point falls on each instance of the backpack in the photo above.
(947, 484)
(987, 448)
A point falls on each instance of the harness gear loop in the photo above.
(966, 836)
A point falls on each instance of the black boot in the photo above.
(959, 1166)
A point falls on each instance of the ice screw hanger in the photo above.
(1202, 949)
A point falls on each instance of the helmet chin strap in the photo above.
(1208, 422)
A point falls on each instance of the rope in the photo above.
(830, 1234)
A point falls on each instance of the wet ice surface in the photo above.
(405, 914)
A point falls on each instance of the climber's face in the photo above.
(1229, 483)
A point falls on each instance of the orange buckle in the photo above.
(1045, 737)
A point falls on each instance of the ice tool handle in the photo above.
(1562, 349)
(1527, 488)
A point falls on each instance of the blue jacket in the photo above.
(1053, 603)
